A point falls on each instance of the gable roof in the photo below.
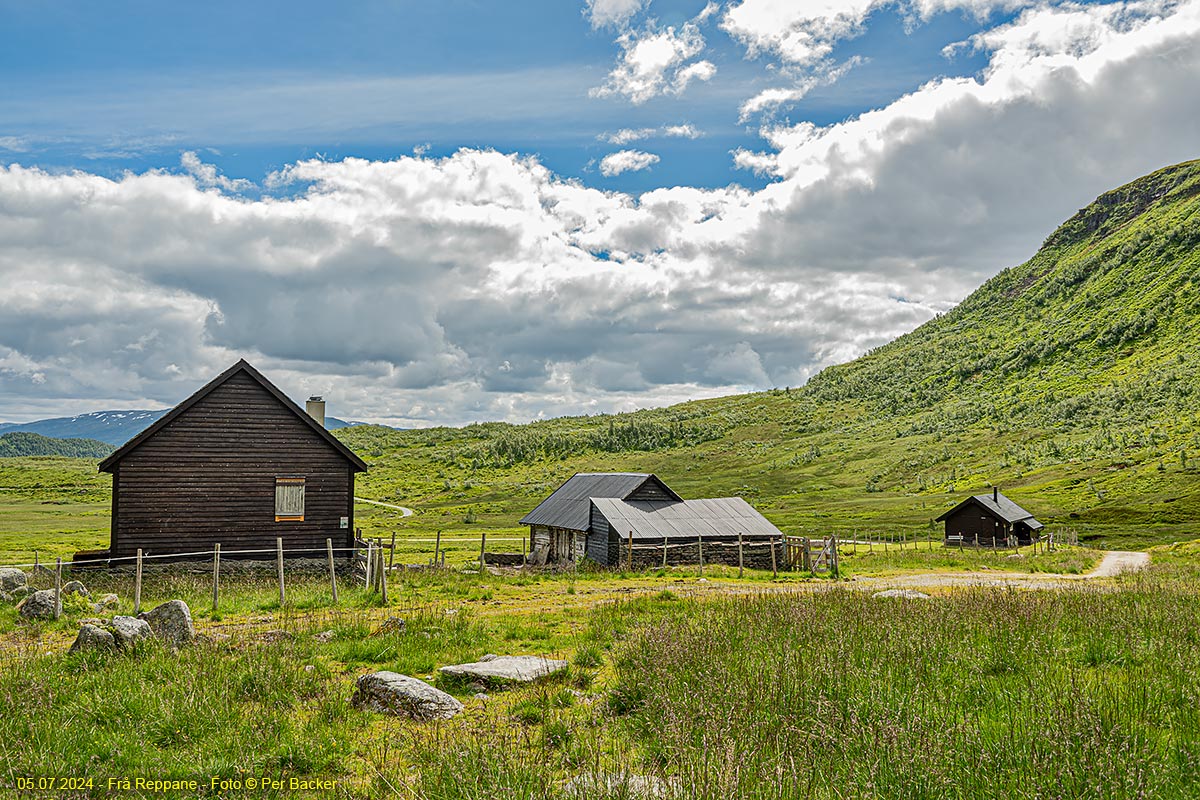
(659, 519)
(568, 506)
(999, 506)
(241, 366)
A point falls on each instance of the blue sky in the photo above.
(254, 86)
(438, 213)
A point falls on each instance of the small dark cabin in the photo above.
(985, 518)
(594, 514)
(239, 464)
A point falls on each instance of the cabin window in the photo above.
(289, 499)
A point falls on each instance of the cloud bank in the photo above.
(483, 286)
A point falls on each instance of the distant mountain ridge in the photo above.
(111, 427)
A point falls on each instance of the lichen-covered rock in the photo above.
(11, 578)
(74, 587)
(904, 594)
(400, 695)
(39, 605)
(605, 784)
(128, 631)
(499, 670)
(92, 637)
(171, 622)
(107, 601)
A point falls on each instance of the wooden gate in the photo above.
(819, 556)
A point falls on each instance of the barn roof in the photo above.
(659, 519)
(999, 506)
(568, 506)
(241, 366)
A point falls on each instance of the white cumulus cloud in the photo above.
(654, 61)
(626, 161)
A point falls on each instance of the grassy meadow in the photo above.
(695, 692)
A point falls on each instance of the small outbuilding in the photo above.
(239, 464)
(988, 519)
(594, 515)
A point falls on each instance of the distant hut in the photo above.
(593, 516)
(987, 518)
(239, 464)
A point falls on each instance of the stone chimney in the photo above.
(316, 409)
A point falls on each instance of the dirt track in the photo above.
(1114, 563)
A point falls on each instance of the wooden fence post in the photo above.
(739, 554)
(631, 551)
(392, 551)
(216, 575)
(664, 566)
(700, 552)
(58, 587)
(37, 567)
(482, 545)
(437, 547)
(369, 564)
(805, 555)
(279, 562)
(332, 573)
(836, 557)
(137, 584)
(774, 563)
(383, 573)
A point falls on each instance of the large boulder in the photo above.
(11, 578)
(400, 695)
(171, 622)
(499, 670)
(74, 587)
(92, 638)
(128, 631)
(39, 605)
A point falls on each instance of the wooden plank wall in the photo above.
(209, 476)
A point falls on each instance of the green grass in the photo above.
(981, 693)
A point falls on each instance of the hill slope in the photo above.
(22, 443)
(1070, 380)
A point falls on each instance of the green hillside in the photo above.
(23, 443)
(1070, 381)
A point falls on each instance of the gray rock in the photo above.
(109, 600)
(128, 631)
(92, 638)
(904, 594)
(505, 669)
(325, 636)
(11, 578)
(390, 625)
(39, 605)
(489, 657)
(400, 695)
(171, 622)
(74, 587)
(606, 784)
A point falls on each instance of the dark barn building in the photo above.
(593, 515)
(239, 464)
(987, 518)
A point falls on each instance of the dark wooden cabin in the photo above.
(239, 464)
(594, 514)
(987, 518)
